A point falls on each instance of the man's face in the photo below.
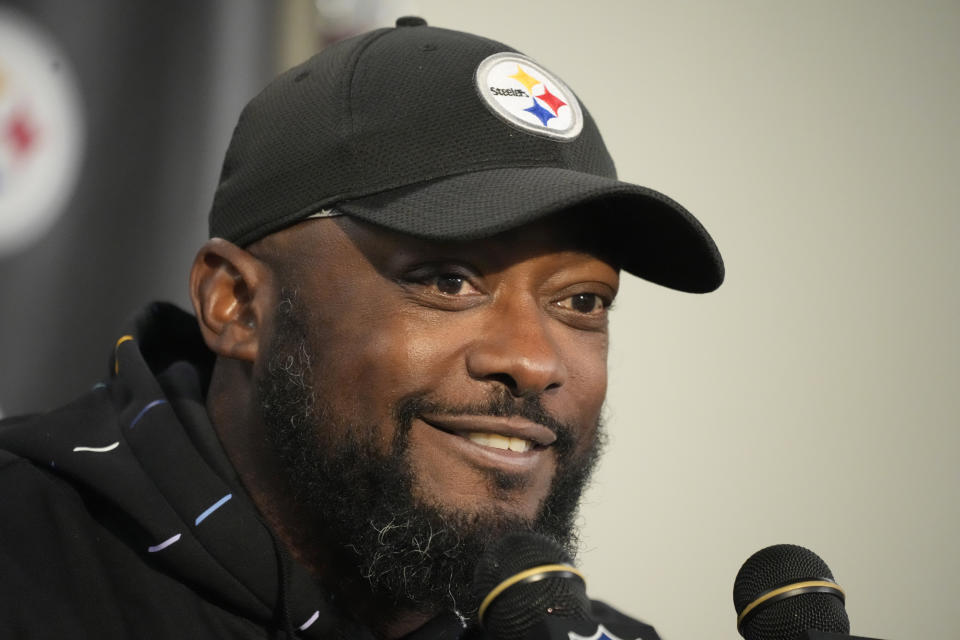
(473, 373)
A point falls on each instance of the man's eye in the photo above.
(450, 283)
(584, 303)
(441, 283)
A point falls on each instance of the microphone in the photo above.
(525, 579)
(786, 592)
(531, 591)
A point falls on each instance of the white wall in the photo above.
(814, 398)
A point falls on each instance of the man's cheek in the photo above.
(427, 360)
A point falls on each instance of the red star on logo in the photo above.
(21, 133)
(551, 100)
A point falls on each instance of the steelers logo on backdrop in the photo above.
(41, 131)
(528, 96)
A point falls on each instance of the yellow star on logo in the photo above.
(525, 78)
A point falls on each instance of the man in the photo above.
(398, 357)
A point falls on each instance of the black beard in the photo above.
(375, 541)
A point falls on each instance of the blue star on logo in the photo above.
(542, 114)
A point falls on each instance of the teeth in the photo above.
(497, 441)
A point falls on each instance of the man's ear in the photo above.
(231, 292)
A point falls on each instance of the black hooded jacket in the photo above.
(121, 516)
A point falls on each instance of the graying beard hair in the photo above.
(297, 368)
(414, 564)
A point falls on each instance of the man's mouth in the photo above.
(498, 441)
(513, 434)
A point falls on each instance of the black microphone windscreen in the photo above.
(768, 613)
(511, 614)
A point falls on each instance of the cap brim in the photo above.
(651, 236)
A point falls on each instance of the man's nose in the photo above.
(515, 348)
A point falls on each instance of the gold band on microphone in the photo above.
(794, 589)
(530, 575)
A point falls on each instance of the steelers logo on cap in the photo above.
(529, 97)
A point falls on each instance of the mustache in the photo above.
(497, 404)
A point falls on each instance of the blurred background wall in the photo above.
(126, 108)
(813, 399)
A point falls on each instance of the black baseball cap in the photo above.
(443, 135)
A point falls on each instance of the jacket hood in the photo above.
(140, 443)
